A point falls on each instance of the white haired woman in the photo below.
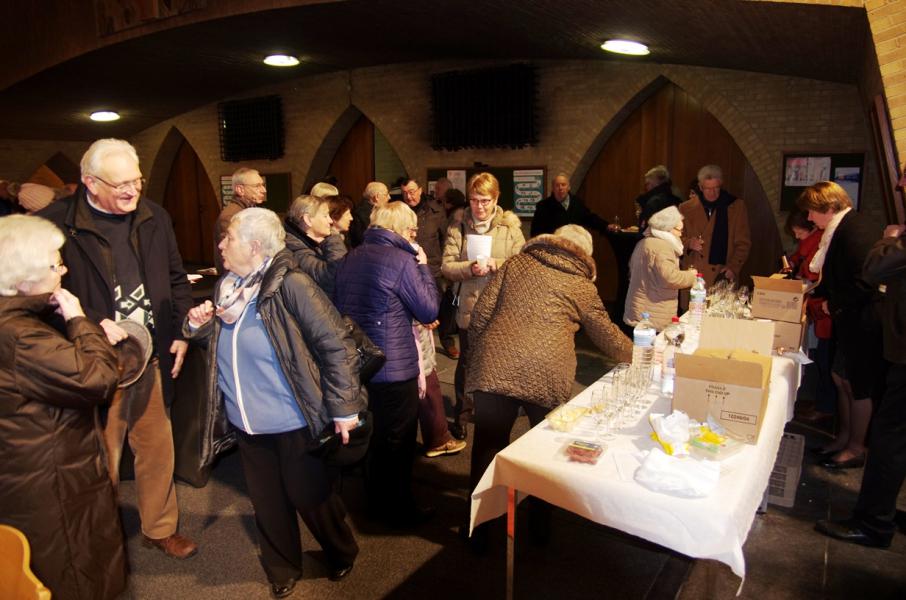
(282, 369)
(53, 483)
(317, 249)
(655, 277)
(522, 342)
(384, 285)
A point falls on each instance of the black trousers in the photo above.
(283, 479)
(463, 402)
(391, 454)
(886, 467)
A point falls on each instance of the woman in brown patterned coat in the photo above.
(521, 339)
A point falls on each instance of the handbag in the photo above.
(371, 357)
(330, 447)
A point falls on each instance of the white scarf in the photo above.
(482, 227)
(826, 237)
(669, 238)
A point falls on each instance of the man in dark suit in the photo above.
(561, 208)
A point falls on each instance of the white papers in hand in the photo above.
(478, 245)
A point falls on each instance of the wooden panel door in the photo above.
(193, 206)
(353, 164)
(672, 128)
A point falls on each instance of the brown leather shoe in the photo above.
(176, 545)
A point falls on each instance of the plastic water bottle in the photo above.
(643, 337)
(674, 335)
(698, 296)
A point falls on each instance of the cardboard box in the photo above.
(790, 335)
(730, 386)
(778, 299)
(742, 334)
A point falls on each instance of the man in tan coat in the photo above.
(716, 236)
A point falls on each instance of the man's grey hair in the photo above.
(242, 175)
(306, 204)
(710, 172)
(262, 225)
(657, 174)
(93, 160)
(373, 189)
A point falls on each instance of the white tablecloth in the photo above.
(713, 528)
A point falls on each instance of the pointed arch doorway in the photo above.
(193, 206)
(672, 128)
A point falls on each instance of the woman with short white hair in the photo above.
(53, 483)
(317, 249)
(655, 277)
(282, 370)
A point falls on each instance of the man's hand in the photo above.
(894, 231)
(178, 350)
(696, 243)
(115, 334)
(343, 427)
(729, 274)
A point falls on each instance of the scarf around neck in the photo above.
(720, 235)
(237, 292)
(482, 227)
(668, 237)
(818, 260)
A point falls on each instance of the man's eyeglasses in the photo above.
(261, 185)
(121, 188)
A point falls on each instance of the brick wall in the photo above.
(887, 19)
(578, 100)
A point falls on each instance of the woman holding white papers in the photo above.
(493, 235)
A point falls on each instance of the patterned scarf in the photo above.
(237, 291)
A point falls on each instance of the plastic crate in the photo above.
(787, 469)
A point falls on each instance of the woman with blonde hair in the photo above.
(53, 482)
(482, 217)
(853, 307)
(384, 285)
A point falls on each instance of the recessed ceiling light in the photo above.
(105, 115)
(281, 60)
(625, 47)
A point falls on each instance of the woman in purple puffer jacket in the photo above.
(383, 285)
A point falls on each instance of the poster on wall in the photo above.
(226, 189)
(803, 171)
(457, 179)
(528, 190)
(850, 179)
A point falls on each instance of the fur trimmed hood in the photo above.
(560, 253)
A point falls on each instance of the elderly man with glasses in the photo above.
(249, 190)
(124, 264)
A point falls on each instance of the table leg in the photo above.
(510, 540)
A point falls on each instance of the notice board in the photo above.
(802, 169)
(520, 187)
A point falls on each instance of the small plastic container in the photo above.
(565, 417)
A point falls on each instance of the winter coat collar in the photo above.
(79, 218)
(296, 239)
(21, 305)
(561, 254)
(384, 237)
(505, 218)
(281, 264)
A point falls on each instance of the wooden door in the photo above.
(672, 128)
(353, 164)
(193, 206)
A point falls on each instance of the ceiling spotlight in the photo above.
(625, 47)
(105, 115)
(281, 60)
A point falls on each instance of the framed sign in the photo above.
(520, 187)
(802, 169)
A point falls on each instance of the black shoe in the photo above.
(460, 432)
(415, 516)
(339, 573)
(850, 531)
(856, 462)
(282, 590)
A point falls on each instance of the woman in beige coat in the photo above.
(654, 272)
(483, 217)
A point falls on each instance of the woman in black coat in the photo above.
(853, 305)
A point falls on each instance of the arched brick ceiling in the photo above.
(170, 70)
